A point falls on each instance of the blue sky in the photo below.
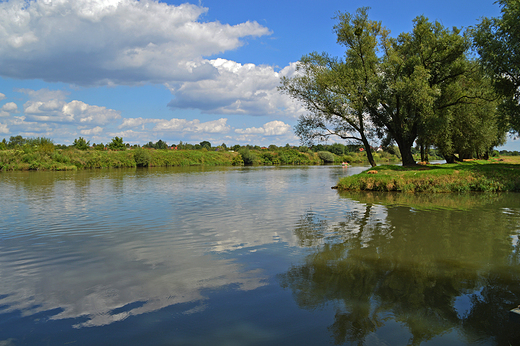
(174, 70)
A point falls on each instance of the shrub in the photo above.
(237, 161)
(142, 157)
(247, 156)
(117, 144)
(326, 156)
(81, 144)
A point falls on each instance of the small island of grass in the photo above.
(477, 175)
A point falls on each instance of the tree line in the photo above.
(433, 87)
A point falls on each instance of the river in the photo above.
(251, 256)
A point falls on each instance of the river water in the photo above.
(251, 256)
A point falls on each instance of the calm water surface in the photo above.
(251, 256)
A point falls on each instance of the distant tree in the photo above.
(117, 144)
(205, 144)
(99, 147)
(337, 148)
(161, 144)
(81, 144)
(16, 141)
(3, 144)
(42, 144)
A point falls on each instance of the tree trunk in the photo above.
(406, 152)
(425, 149)
(368, 151)
(450, 158)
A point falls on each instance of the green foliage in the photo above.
(161, 144)
(81, 144)
(42, 144)
(99, 147)
(3, 145)
(470, 176)
(142, 157)
(498, 43)
(205, 144)
(248, 157)
(418, 86)
(326, 156)
(117, 144)
(237, 160)
(16, 141)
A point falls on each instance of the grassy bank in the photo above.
(27, 158)
(488, 176)
(72, 159)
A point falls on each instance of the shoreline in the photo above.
(476, 175)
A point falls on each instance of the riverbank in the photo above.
(31, 158)
(72, 159)
(479, 175)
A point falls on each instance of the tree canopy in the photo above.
(497, 41)
(415, 88)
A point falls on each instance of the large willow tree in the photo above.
(497, 41)
(401, 88)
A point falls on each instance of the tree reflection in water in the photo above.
(411, 266)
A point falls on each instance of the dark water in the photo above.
(251, 256)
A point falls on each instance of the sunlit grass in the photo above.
(489, 176)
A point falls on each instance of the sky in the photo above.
(188, 71)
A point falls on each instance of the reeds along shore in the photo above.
(484, 176)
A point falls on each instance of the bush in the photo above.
(237, 161)
(81, 144)
(247, 156)
(142, 157)
(117, 144)
(326, 156)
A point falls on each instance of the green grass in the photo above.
(29, 158)
(485, 176)
(72, 159)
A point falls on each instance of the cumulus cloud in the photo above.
(107, 42)
(51, 106)
(95, 131)
(238, 89)
(273, 128)
(178, 125)
(10, 107)
(2, 96)
(4, 128)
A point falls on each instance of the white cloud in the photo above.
(238, 89)
(2, 96)
(178, 125)
(51, 106)
(10, 107)
(4, 128)
(95, 131)
(111, 42)
(273, 128)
